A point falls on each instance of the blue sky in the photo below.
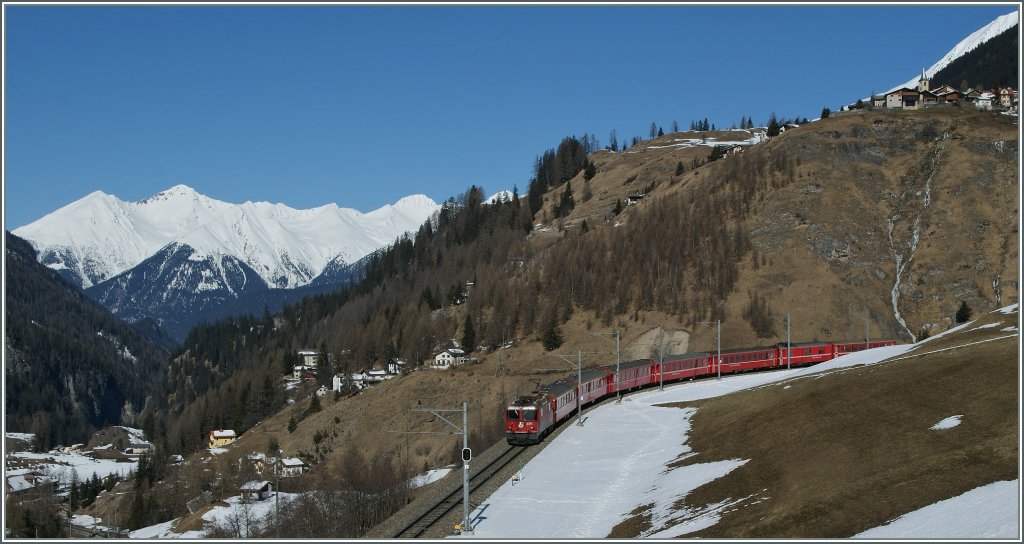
(362, 105)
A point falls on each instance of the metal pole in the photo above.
(618, 394)
(867, 335)
(789, 350)
(719, 322)
(277, 496)
(579, 388)
(467, 527)
(661, 361)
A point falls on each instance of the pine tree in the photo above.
(680, 168)
(654, 131)
(589, 171)
(552, 338)
(660, 132)
(675, 126)
(613, 141)
(964, 313)
(468, 335)
(825, 112)
(773, 126)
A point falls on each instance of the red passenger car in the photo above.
(632, 374)
(744, 359)
(683, 367)
(805, 353)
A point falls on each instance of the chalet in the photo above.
(304, 372)
(943, 89)
(633, 199)
(1007, 97)
(18, 483)
(878, 101)
(220, 438)
(449, 357)
(396, 366)
(359, 379)
(292, 466)
(788, 126)
(984, 102)
(953, 96)
(256, 490)
(928, 98)
(902, 98)
(309, 357)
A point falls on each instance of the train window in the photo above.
(512, 414)
(529, 415)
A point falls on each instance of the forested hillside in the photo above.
(992, 64)
(71, 367)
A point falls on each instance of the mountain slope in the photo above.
(1000, 25)
(70, 366)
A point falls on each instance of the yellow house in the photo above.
(220, 438)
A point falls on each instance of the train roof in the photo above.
(568, 383)
(803, 344)
(635, 363)
(747, 350)
(685, 356)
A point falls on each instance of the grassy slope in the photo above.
(834, 455)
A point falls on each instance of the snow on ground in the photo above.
(62, 464)
(244, 516)
(990, 511)
(590, 478)
(430, 476)
(606, 468)
(21, 436)
(136, 436)
(948, 423)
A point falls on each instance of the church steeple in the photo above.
(924, 84)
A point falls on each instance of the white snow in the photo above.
(100, 236)
(590, 478)
(60, 465)
(246, 516)
(1008, 309)
(948, 423)
(429, 477)
(968, 44)
(990, 511)
(21, 436)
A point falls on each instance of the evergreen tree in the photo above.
(589, 171)
(825, 112)
(552, 338)
(675, 126)
(613, 141)
(680, 168)
(773, 126)
(468, 335)
(964, 313)
(654, 131)
(660, 132)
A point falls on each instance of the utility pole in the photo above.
(578, 365)
(277, 495)
(661, 361)
(867, 334)
(718, 325)
(618, 394)
(467, 524)
(789, 349)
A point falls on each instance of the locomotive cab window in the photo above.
(512, 414)
(529, 415)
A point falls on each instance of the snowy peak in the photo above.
(968, 44)
(100, 236)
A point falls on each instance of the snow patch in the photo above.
(948, 423)
(989, 511)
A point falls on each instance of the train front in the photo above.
(522, 422)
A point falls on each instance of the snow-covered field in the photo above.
(592, 477)
(60, 465)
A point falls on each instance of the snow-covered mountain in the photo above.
(180, 257)
(100, 236)
(998, 26)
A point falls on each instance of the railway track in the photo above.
(439, 511)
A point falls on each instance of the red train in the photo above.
(531, 417)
